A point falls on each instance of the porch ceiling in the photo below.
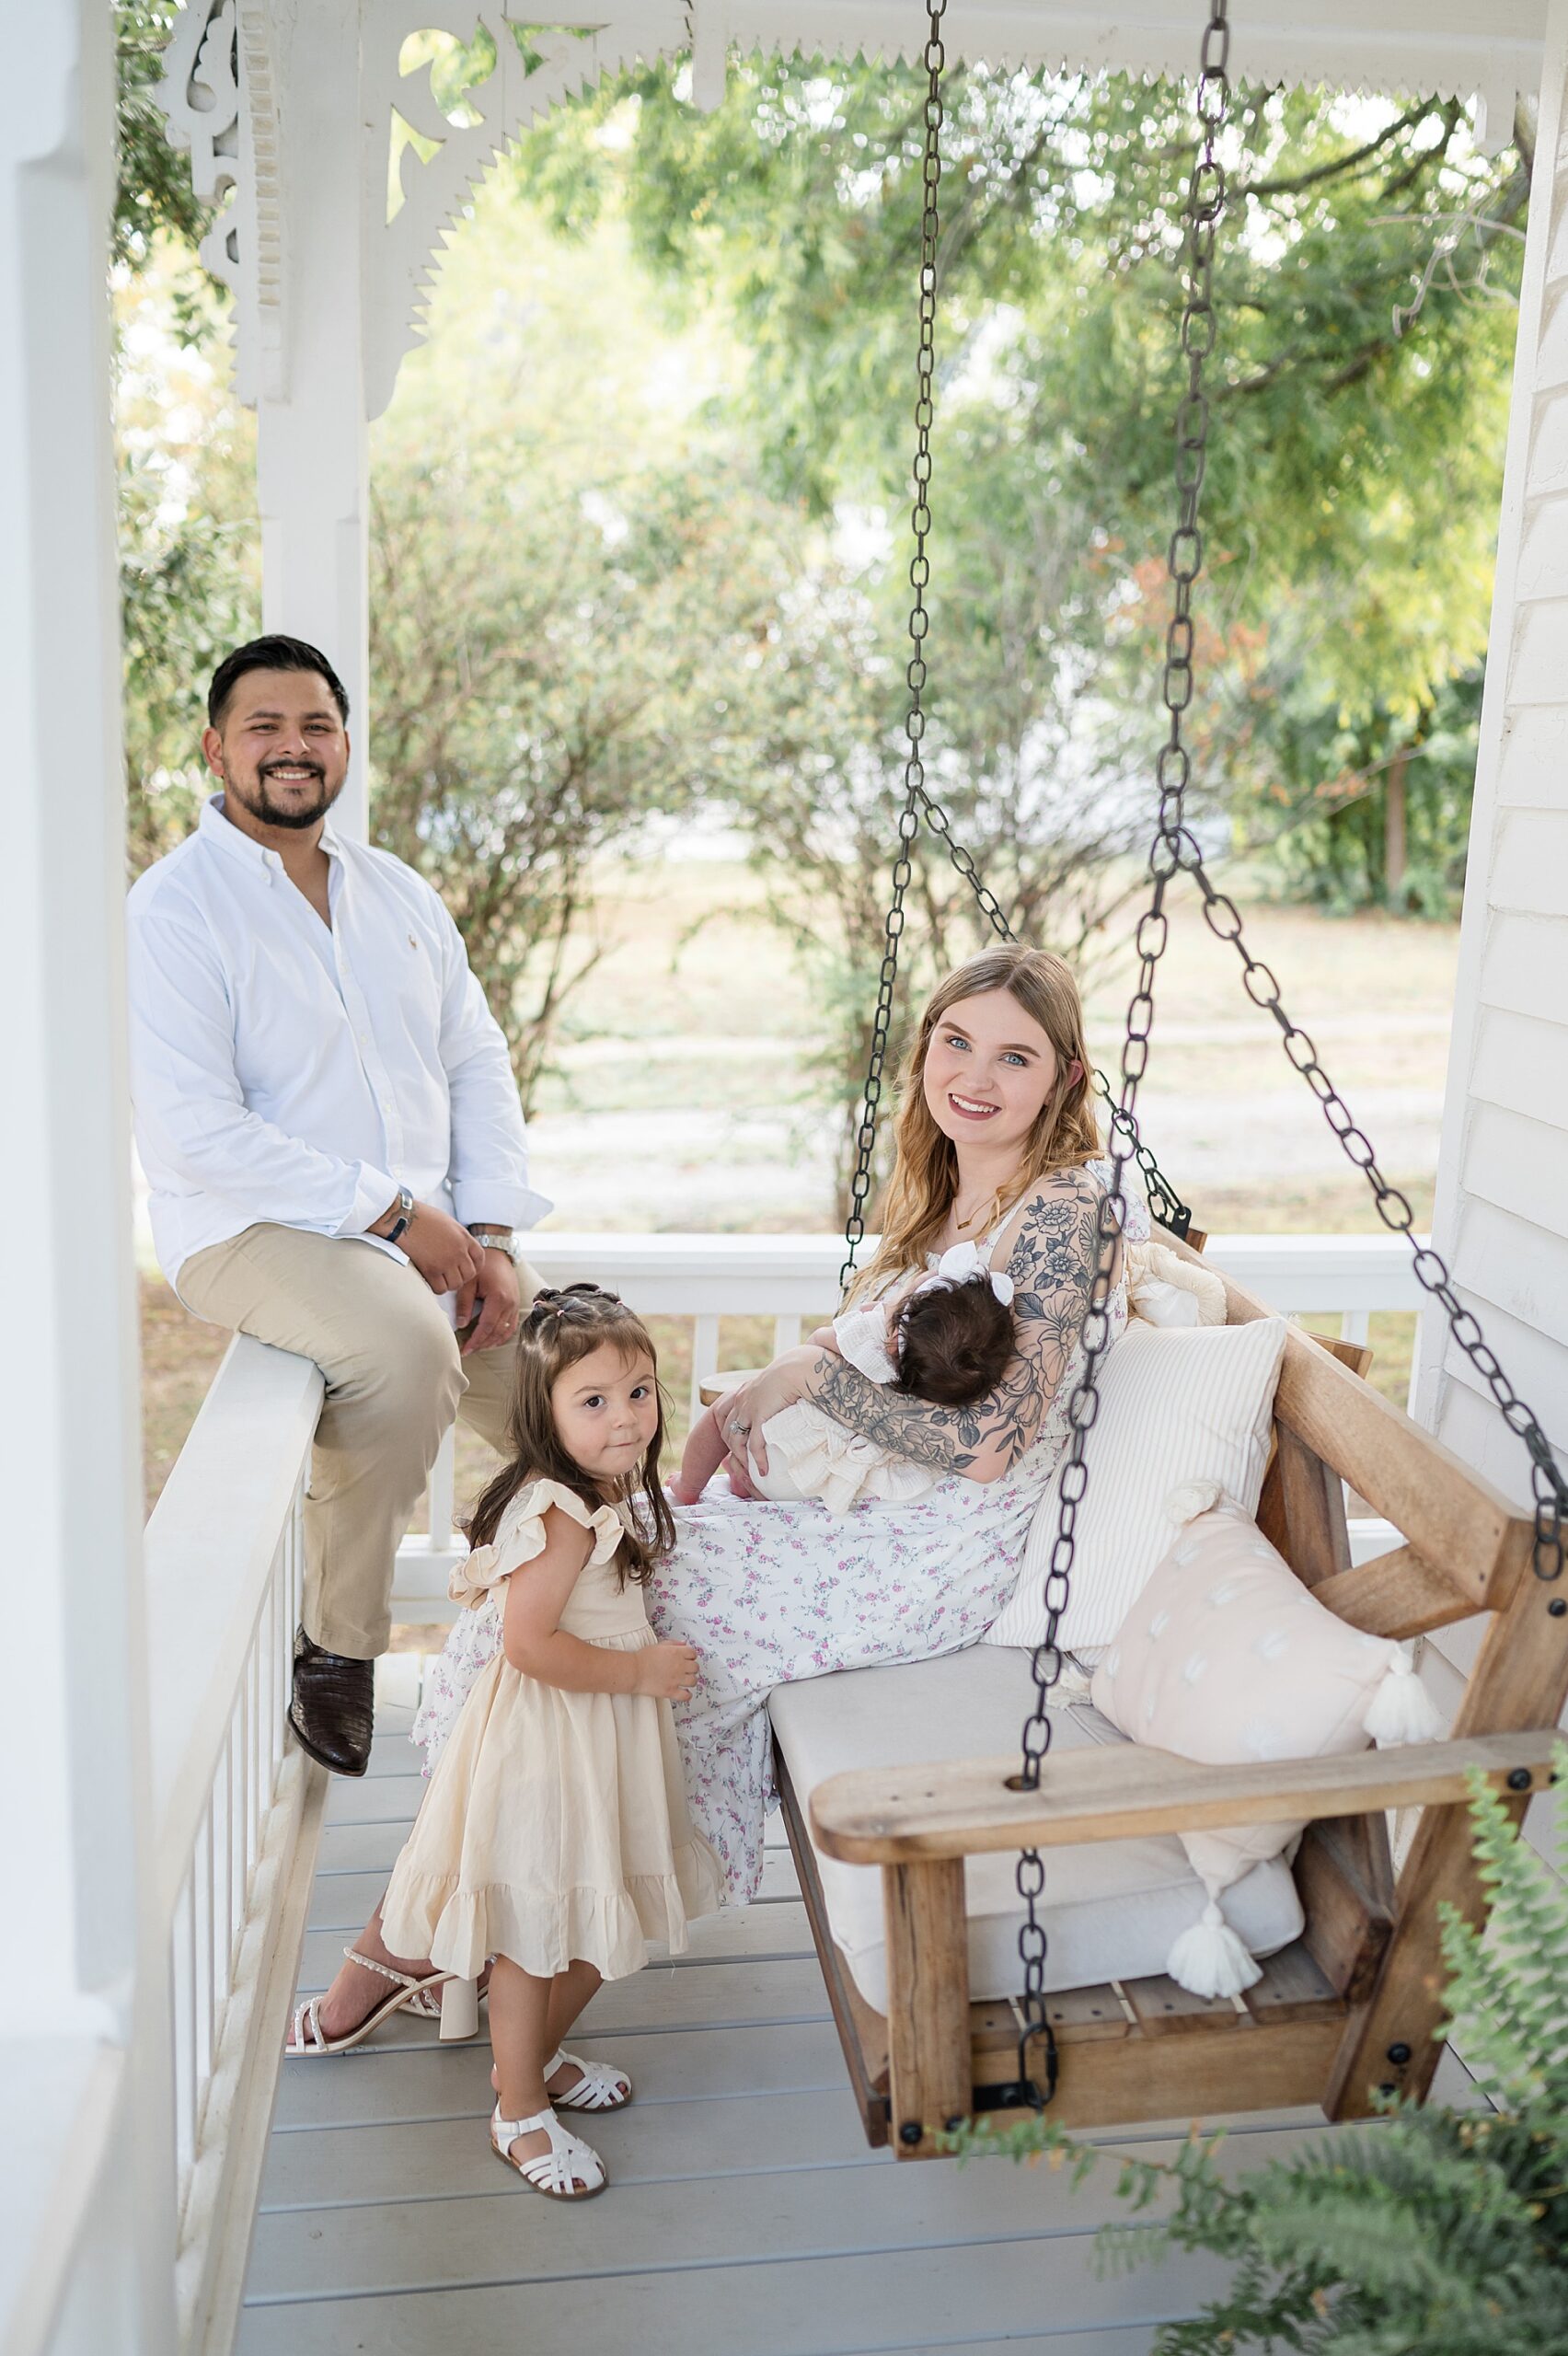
(1449, 46)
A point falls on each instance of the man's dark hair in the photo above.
(953, 1343)
(271, 654)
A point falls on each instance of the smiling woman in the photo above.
(994, 1139)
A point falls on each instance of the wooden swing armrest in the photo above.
(962, 1807)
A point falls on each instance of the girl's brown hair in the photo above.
(562, 1328)
(925, 1173)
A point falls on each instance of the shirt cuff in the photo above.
(374, 1194)
(490, 1202)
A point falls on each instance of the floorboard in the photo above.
(929, 2299)
(745, 2216)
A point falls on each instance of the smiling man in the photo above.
(329, 1126)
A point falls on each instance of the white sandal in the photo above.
(306, 2036)
(599, 2088)
(570, 2170)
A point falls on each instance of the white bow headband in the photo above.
(958, 1265)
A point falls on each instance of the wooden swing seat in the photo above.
(1353, 2005)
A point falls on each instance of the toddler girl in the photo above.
(946, 1336)
(554, 1836)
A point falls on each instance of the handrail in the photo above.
(209, 1550)
(706, 1274)
(233, 1802)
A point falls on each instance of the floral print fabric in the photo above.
(768, 1593)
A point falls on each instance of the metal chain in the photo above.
(920, 622)
(1205, 202)
(1549, 1488)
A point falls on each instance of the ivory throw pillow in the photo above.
(1226, 1656)
(1176, 1404)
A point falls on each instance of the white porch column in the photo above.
(313, 474)
(83, 2041)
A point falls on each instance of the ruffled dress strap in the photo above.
(521, 1537)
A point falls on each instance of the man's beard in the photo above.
(260, 804)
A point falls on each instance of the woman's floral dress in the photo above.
(768, 1593)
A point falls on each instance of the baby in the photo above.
(945, 1337)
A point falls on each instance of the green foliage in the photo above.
(187, 596)
(156, 213)
(1359, 385)
(1434, 2232)
(573, 698)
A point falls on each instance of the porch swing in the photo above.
(1351, 2005)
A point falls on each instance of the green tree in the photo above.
(1359, 385)
(575, 699)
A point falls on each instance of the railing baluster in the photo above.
(442, 1492)
(704, 1358)
(786, 1333)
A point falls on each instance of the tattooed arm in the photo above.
(1052, 1265)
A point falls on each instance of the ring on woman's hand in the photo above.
(737, 1430)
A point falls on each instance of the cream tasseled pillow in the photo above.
(1226, 1656)
(1188, 1404)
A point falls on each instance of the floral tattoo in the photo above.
(1052, 1265)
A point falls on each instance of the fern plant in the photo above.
(1435, 2232)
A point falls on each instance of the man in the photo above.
(327, 1120)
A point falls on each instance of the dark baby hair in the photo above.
(274, 653)
(563, 1326)
(953, 1342)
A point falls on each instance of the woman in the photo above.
(993, 1136)
(994, 1133)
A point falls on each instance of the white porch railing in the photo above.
(792, 1279)
(234, 1805)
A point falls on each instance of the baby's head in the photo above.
(951, 1341)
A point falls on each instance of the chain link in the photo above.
(920, 623)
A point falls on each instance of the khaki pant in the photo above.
(394, 1381)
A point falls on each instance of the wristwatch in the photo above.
(400, 1226)
(493, 1239)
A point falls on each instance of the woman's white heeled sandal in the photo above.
(305, 2034)
(599, 2088)
(570, 2170)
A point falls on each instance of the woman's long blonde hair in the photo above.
(925, 1173)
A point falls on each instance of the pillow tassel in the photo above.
(1402, 1708)
(1209, 1959)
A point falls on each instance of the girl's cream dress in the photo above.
(555, 1829)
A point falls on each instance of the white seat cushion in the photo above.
(1112, 1908)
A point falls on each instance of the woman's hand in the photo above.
(746, 1408)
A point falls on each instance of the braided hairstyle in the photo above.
(562, 1327)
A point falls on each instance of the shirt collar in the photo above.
(223, 835)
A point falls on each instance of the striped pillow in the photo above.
(1176, 1403)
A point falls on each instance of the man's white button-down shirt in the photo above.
(287, 1073)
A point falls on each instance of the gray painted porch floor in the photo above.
(745, 2216)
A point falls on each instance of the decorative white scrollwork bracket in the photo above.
(220, 96)
(550, 62)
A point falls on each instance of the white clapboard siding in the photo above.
(1502, 1208)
